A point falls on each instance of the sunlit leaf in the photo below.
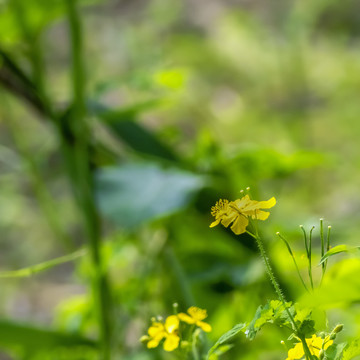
(226, 337)
(352, 350)
(337, 250)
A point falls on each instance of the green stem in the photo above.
(181, 278)
(279, 292)
(327, 244)
(78, 161)
(309, 258)
(293, 257)
(193, 346)
(322, 246)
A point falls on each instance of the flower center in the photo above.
(221, 206)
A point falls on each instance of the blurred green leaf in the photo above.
(352, 350)
(30, 337)
(123, 124)
(134, 193)
(341, 286)
(225, 338)
(335, 351)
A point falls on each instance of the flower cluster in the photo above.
(169, 330)
(238, 212)
(315, 344)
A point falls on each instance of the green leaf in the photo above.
(30, 337)
(134, 193)
(337, 250)
(352, 350)
(335, 351)
(273, 312)
(341, 286)
(225, 338)
(123, 124)
(222, 349)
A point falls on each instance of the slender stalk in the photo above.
(193, 346)
(293, 257)
(309, 258)
(279, 292)
(322, 246)
(327, 242)
(78, 161)
(28, 271)
(181, 279)
(308, 255)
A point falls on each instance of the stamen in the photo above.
(219, 206)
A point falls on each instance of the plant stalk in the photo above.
(79, 168)
(279, 292)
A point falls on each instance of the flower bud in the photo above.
(338, 328)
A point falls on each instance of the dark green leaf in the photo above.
(134, 193)
(31, 337)
(123, 124)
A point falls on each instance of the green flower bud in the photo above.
(338, 328)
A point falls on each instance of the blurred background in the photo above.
(122, 122)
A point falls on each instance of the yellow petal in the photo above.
(171, 323)
(239, 225)
(197, 313)
(153, 343)
(241, 203)
(214, 223)
(260, 215)
(297, 352)
(228, 219)
(267, 204)
(156, 329)
(204, 326)
(171, 342)
(186, 318)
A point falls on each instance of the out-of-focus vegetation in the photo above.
(123, 121)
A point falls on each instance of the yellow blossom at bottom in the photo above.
(315, 344)
(168, 331)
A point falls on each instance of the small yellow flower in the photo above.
(168, 330)
(196, 315)
(237, 212)
(315, 344)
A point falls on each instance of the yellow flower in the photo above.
(237, 212)
(158, 331)
(315, 344)
(196, 315)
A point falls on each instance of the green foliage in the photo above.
(338, 250)
(352, 350)
(272, 313)
(116, 115)
(30, 338)
(152, 186)
(336, 352)
(220, 347)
